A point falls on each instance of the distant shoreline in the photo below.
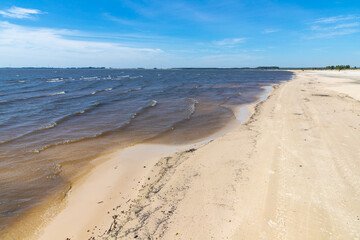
(182, 68)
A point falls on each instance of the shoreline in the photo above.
(289, 172)
(80, 200)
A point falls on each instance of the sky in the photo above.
(179, 33)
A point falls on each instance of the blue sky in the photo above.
(179, 33)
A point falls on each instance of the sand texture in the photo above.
(292, 171)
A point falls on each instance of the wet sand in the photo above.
(291, 171)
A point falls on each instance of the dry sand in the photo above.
(292, 171)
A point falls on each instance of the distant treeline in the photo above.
(337, 67)
(235, 68)
(340, 67)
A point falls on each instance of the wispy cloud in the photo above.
(20, 13)
(270, 30)
(190, 12)
(229, 41)
(175, 9)
(19, 45)
(122, 21)
(335, 26)
(334, 33)
(336, 19)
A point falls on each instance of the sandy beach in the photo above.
(291, 171)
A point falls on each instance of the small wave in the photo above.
(58, 93)
(141, 110)
(102, 90)
(153, 103)
(169, 129)
(33, 97)
(134, 77)
(38, 150)
(92, 93)
(107, 78)
(89, 78)
(94, 84)
(132, 90)
(191, 108)
(120, 77)
(190, 111)
(21, 81)
(66, 117)
(55, 80)
(53, 124)
(31, 87)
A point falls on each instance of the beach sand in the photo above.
(291, 171)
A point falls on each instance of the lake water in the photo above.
(53, 122)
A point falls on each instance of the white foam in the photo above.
(192, 107)
(107, 89)
(55, 80)
(58, 93)
(89, 78)
(51, 125)
(140, 76)
(153, 103)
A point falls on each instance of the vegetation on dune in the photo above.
(339, 67)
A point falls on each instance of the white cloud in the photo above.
(336, 19)
(334, 33)
(335, 26)
(230, 41)
(178, 9)
(267, 31)
(347, 25)
(18, 12)
(122, 21)
(25, 46)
